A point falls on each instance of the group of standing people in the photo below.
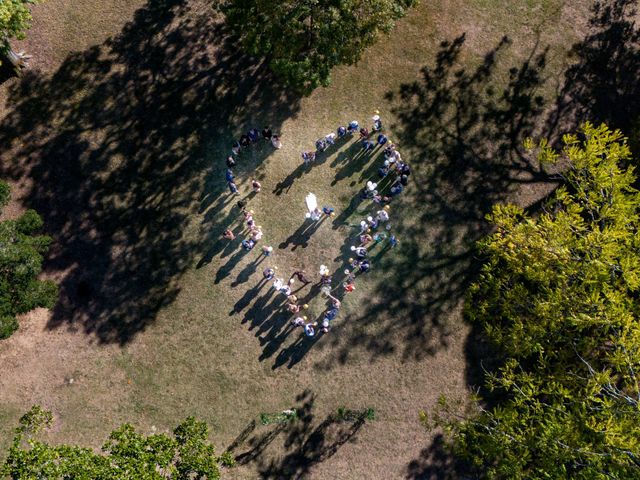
(375, 229)
(254, 231)
(252, 137)
(349, 131)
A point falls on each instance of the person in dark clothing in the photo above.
(245, 141)
(254, 135)
(267, 133)
(368, 145)
(300, 275)
(231, 162)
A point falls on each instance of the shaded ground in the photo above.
(114, 149)
(121, 149)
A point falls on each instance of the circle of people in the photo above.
(370, 233)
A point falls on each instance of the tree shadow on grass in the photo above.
(461, 130)
(436, 462)
(114, 149)
(602, 85)
(304, 442)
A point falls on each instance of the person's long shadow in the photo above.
(248, 270)
(122, 173)
(296, 351)
(340, 222)
(358, 161)
(268, 309)
(301, 237)
(278, 329)
(284, 185)
(344, 156)
(249, 295)
(225, 270)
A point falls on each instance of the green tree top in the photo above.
(558, 298)
(305, 39)
(15, 19)
(20, 264)
(127, 454)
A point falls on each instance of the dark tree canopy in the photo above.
(20, 263)
(127, 454)
(558, 297)
(305, 39)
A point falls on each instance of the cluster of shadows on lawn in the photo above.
(306, 441)
(469, 141)
(264, 314)
(113, 150)
(461, 130)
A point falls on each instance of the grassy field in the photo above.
(118, 136)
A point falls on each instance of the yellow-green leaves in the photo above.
(558, 297)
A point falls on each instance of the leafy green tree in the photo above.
(127, 454)
(15, 20)
(558, 298)
(20, 263)
(305, 39)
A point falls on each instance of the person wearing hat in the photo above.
(298, 321)
(377, 123)
(309, 329)
(268, 273)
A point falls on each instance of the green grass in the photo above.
(399, 343)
